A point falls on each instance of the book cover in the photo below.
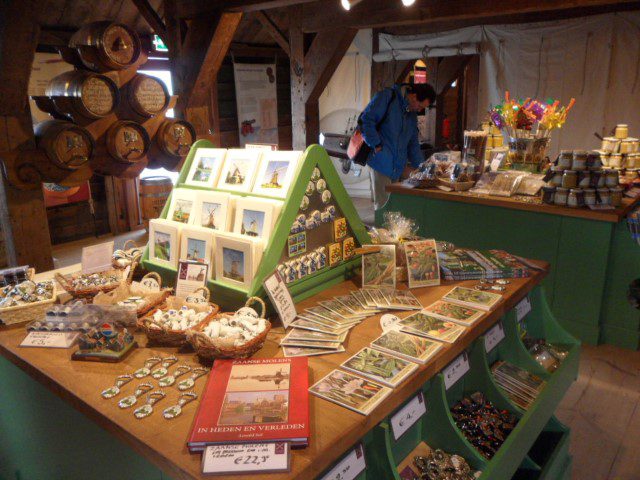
(253, 401)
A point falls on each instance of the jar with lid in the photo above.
(579, 161)
(575, 198)
(622, 130)
(629, 145)
(548, 192)
(570, 179)
(633, 160)
(584, 179)
(604, 196)
(564, 159)
(589, 196)
(556, 178)
(615, 160)
(560, 197)
(616, 196)
(610, 144)
(632, 173)
(594, 160)
(612, 178)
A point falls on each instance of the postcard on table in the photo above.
(350, 391)
(305, 324)
(431, 327)
(454, 313)
(410, 347)
(301, 334)
(423, 269)
(401, 300)
(354, 305)
(309, 344)
(379, 269)
(310, 317)
(468, 297)
(329, 315)
(308, 352)
(337, 307)
(239, 170)
(380, 366)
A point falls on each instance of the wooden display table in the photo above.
(49, 437)
(592, 255)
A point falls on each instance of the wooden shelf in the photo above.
(613, 216)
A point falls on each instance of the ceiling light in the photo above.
(347, 4)
(408, 3)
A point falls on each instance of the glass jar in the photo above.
(616, 196)
(610, 144)
(633, 160)
(629, 145)
(579, 161)
(560, 197)
(615, 160)
(594, 160)
(556, 179)
(622, 130)
(584, 179)
(565, 159)
(612, 178)
(548, 192)
(632, 173)
(570, 179)
(589, 196)
(498, 140)
(604, 196)
(575, 198)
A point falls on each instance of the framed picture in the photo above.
(239, 170)
(212, 210)
(237, 258)
(254, 217)
(276, 173)
(205, 168)
(379, 269)
(196, 244)
(164, 238)
(181, 207)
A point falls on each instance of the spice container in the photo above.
(565, 159)
(575, 198)
(615, 160)
(612, 178)
(589, 196)
(548, 192)
(584, 179)
(604, 196)
(579, 161)
(632, 173)
(498, 140)
(570, 179)
(594, 160)
(622, 130)
(610, 144)
(616, 196)
(560, 197)
(633, 160)
(556, 179)
(629, 145)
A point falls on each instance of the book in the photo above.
(463, 264)
(425, 325)
(253, 401)
(409, 347)
(380, 366)
(468, 297)
(454, 313)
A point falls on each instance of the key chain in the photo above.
(121, 380)
(131, 400)
(188, 383)
(171, 379)
(163, 369)
(175, 410)
(146, 370)
(147, 409)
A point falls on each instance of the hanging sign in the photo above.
(523, 308)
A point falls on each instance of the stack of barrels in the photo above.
(91, 95)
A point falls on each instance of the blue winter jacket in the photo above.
(398, 135)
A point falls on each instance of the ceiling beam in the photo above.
(382, 13)
(270, 26)
(194, 8)
(152, 18)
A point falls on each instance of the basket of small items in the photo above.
(167, 326)
(22, 299)
(88, 285)
(124, 257)
(142, 296)
(231, 335)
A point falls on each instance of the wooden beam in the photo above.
(382, 13)
(194, 8)
(152, 18)
(247, 50)
(296, 43)
(270, 26)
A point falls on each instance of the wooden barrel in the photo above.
(68, 146)
(145, 96)
(104, 46)
(83, 95)
(174, 139)
(153, 193)
(127, 141)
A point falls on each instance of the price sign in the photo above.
(456, 370)
(50, 339)
(493, 337)
(408, 415)
(151, 284)
(246, 458)
(523, 308)
(97, 258)
(496, 162)
(349, 467)
(281, 298)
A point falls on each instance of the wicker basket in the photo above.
(160, 335)
(208, 350)
(132, 246)
(126, 290)
(26, 313)
(65, 282)
(458, 186)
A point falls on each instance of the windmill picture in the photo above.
(235, 176)
(208, 215)
(252, 223)
(273, 173)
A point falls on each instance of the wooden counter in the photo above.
(613, 216)
(333, 428)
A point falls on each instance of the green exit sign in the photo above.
(159, 45)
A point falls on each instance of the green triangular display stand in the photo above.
(231, 297)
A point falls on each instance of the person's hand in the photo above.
(378, 148)
(406, 173)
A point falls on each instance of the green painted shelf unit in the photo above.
(231, 297)
(538, 446)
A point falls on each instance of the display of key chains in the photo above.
(114, 390)
(163, 369)
(175, 410)
(169, 380)
(149, 363)
(147, 409)
(131, 400)
(188, 383)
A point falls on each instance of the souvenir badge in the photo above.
(147, 409)
(498, 288)
(175, 410)
(305, 203)
(188, 383)
(171, 379)
(503, 281)
(348, 248)
(315, 174)
(326, 196)
(310, 224)
(317, 217)
(121, 380)
(331, 210)
(335, 254)
(339, 229)
(321, 185)
(163, 369)
(325, 217)
(313, 263)
(131, 400)
(310, 188)
(146, 370)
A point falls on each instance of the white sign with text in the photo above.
(408, 415)
(246, 458)
(456, 370)
(281, 298)
(493, 337)
(349, 467)
(50, 339)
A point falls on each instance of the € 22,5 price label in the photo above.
(246, 458)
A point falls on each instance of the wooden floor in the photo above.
(602, 408)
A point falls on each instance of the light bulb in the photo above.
(408, 3)
(346, 4)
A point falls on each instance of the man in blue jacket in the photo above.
(395, 140)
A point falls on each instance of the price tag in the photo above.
(246, 458)
(97, 258)
(496, 162)
(523, 308)
(456, 370)
(493, 337)
(150, 284)
(281, 298)
(50, 339)
(408, 415)
(349, 467)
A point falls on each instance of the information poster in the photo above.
(257, 100)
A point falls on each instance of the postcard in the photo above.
(380, 367)
(211, 210)
(308, 352)
(348, 248)
(354, 305)
(468, 297)
(379, 269)
(181, 205)
(324, 321)
(401, 300)
(454, 313)
(378, 297)
(254, 217)
(350, 391)
(302, 334)
(431, 327)
(409, 347)
(310, 344)
(362, 300)
(276, 173)
(324, 312)
(303, 324)
(205, 167)
(339, 229)
(239, 170)
(423, 268)
(335, 253)
(164, 242)
(337, 307)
